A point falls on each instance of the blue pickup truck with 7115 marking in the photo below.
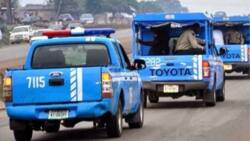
(75, 75)
(169, 74)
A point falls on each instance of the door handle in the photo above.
(56, 82)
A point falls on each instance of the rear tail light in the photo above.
(248, 53)
(107, 91)
(7, 89)
(206, 69)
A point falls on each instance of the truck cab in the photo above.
(169, 74)
(75, 75)
(233, 33)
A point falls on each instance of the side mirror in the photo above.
(223, 51)
(139, 64)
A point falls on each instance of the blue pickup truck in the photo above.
(74, 76)
(233, 33)
(169, 74)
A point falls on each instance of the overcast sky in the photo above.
(232, 7)
(24, 2)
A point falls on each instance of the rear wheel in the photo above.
(114, 123)
(249, 73)
(153, 98)
(137, 119)
(210, 97)
(220, 94)
(52, 127)
(145, 99)
(23, 135)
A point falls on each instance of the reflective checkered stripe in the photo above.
(197, 67)
(243, 53)
(76, 84)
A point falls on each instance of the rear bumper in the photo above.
(238, 67)
(76, 110)
(184, 86)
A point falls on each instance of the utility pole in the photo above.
(9, 12)
(58, 8)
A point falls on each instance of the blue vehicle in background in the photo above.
(70, 79)
(172, 75)
(233, 33)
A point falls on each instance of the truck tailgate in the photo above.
(44, 86)
(172, 68)
(236, 53)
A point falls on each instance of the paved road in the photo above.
(182, 120)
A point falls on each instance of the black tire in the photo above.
(137, 119)
(210, 97)
(220, 94)
(53, 129)
(114, 123)
(145, 99)
(248, 73)
(153, 98)
(23, 135)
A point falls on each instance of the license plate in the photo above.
(171, 89)
(58, 114)
(228, 67)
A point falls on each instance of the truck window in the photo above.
(233, 33)
(118, 53)
(218, 37)
(71, 55)
(170, 38)
(126, 63)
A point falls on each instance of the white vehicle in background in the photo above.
(66, 17)
(38, 35)
(87, 18)
(21, 34)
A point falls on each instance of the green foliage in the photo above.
(148, 6)
(77, 7)
(100, 6)
(171, 6)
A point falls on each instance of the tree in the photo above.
(171, 6)
(73, 7)
(77, 7)
(148, 6)
(114, 6)
(168, 6)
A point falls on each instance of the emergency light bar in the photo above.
(80, 32)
